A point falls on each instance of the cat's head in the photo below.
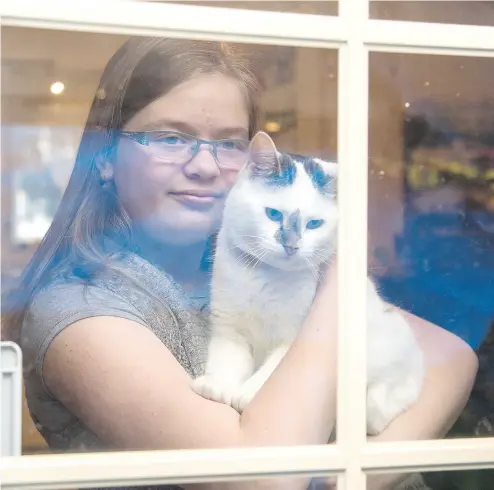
(283, 209)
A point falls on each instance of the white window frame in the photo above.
(354, 35)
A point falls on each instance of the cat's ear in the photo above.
(263, 155)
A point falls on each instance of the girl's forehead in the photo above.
(212, 104)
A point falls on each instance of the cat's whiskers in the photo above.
(313, 268)
(255, 246)
(260, 259)
(253, 259)
(322, 256)
(242, 259)
(245, 258)
(250, 243)
(259, 253)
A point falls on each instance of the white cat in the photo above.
(279, 232)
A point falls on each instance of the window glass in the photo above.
(284, 481)
(431, 210)
(447, 12)
(436, 480)
(181, 141)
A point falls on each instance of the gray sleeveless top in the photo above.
(177, 319)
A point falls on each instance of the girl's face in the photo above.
(172, 200)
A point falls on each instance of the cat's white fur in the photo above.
(260, 298)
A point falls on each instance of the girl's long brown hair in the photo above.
(142, 70)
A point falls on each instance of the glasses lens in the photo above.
(172, 147)
(232, 153)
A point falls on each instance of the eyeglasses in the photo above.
(180, 148)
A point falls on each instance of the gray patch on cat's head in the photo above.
(294, 223)
(289, 233)
(323, 181)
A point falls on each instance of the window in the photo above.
(362, 43)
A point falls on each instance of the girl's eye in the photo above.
(314, 223)
(233, 145)
(274, 215)
(170, 139)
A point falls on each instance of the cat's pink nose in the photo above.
(290, 250)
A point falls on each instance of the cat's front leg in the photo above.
(249, 389)
(229, 364)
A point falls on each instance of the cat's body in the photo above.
(257, 313)
(278, 235)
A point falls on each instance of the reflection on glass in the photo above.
(144, 198)
(431, 133)
(443, 480)
(275, 483)
(431, 204)
(459, 480)
(44, 157)
(449, 12)
(431, 215)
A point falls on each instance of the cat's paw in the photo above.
(243, 396)
(215, 388)
(241, 399)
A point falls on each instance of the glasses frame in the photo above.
(144, 138)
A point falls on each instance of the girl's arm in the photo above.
(118, 378)
(451, 367)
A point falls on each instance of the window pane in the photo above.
(462, 12)
(431, 217)
(459, 480)
(312, 483)
(434, 480)
(112, 214)
(311, 7)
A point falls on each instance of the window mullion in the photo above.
(353, 104)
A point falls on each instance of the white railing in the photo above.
(10, 399)
(354, 35)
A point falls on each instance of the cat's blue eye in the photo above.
(314, 223)
(274, 214)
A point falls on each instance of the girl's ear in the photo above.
(105, 168)
(263, 156)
